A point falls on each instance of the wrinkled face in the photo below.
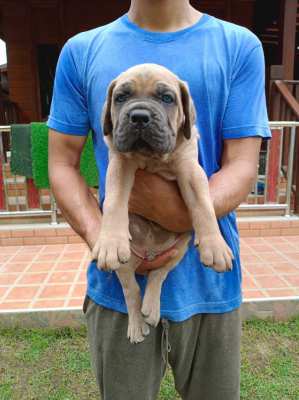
(147, 107)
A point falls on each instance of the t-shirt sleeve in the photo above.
(69, 112)
(246, 110)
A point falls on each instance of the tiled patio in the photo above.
(54, 276)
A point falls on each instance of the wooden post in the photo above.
(274, 147)
(296, 173)
(289, 37)
(273, 166)
(2, 181)
(276, 73)
(2, 189)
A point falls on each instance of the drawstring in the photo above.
(165, 345)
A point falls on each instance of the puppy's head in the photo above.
(147, 109)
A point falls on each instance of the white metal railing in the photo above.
(257, 200)
(285, 169)
(16, 205)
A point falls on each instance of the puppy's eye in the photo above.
(167, 98)
(120, 98)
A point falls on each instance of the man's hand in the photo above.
(91, 236)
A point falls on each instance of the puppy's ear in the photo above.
(107, 125)
(188, 109)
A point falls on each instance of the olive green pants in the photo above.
(203, 352)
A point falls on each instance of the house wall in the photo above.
(27, 23)
(15, 24)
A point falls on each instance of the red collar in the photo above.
(150, 255)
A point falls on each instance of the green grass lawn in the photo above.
(53, 364)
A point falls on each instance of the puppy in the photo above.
(149, 123)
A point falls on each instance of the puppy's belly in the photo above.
(150, 239)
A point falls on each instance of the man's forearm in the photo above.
(160, 200)
(228, 188)
(76, 202)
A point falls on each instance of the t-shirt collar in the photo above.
(162, 36)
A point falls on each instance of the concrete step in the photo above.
(62, 233)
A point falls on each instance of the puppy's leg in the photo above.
(112, 247)
(151, 301)
(137, 328)
(194, 187)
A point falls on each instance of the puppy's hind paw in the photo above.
(137, 330)
(151, 312)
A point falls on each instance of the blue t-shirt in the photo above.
(223, 64)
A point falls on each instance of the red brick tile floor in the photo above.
(54, 276)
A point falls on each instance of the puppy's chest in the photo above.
(162, 168)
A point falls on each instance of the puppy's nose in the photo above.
(140, 117)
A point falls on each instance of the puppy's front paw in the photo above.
(111, 252)
(215, 253)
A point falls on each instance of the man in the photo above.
(224, 67)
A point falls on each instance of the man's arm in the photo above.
(77, 203)
(228, 187)
(232, 183)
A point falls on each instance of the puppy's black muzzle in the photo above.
(140, 118)
(142, 127)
